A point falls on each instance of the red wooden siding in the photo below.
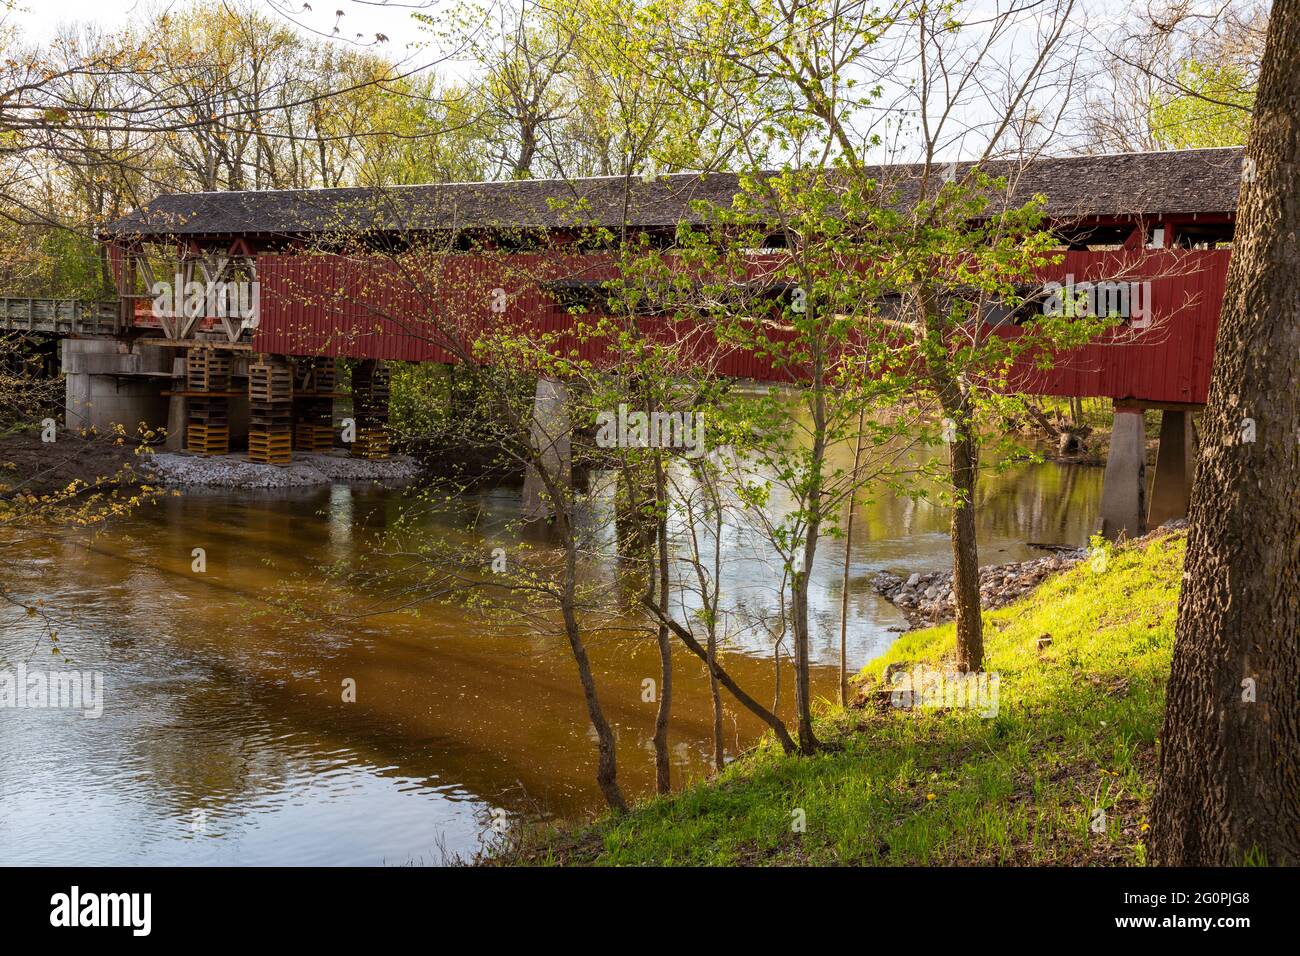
(334, 305)
(1171, 360)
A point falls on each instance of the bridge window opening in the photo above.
(1095, 238)
(582, 295)
(1207, 236)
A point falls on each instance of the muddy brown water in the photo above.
(224, 739)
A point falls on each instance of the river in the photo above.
(225, 739)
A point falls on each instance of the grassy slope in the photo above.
(1076, 730)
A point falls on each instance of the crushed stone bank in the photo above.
(236, 471)
(928, 598)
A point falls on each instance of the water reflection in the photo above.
(225, 738)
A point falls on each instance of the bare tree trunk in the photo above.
(844, 579)
(663, 781)
(965, 550)
(555, 479)
(715, 696)
(799, 580)
(802, 688)
(1229, 787)
(719, 746)
(753, 706)
(606, 762)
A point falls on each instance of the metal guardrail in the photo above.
(59, 316)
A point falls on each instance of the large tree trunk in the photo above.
(1230, 757)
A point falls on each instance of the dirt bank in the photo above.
(28, 464)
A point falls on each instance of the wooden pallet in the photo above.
(371, 390)
(270, 382)
(312, 375)
(207, 370)
(313, 437)
(270, 449)
(207, 439)
(309, 408)
(272, 417)
(326, 375)
(208, 411)
(371, 443)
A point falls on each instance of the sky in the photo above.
(40, 19)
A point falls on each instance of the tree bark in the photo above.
(719, 747)
(848, 561)
(663, 766)
(606, 763)
(799, 611)
(715, 698)
(1229, 789)
(964, 471)
(802, 637)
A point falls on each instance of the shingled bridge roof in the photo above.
(1176, 182)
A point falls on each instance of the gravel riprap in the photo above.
(928, 598)
(236, 471)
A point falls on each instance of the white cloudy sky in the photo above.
(40, 18)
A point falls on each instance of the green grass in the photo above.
(1075, 731)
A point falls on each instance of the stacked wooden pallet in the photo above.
(208, 417)
(310, 436)
(313, 404)
(207, 370)
(270, 412)
(207, 439)
(371, 386)
(372, 442)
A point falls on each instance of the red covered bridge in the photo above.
(1166, 218)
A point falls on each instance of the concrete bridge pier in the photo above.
(1171, 489)
(550, 436)
(1125, 506)
(177, 410)
(1124, 488)
(107, 383)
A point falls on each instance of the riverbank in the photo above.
(1058, 770)
(38, 467)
